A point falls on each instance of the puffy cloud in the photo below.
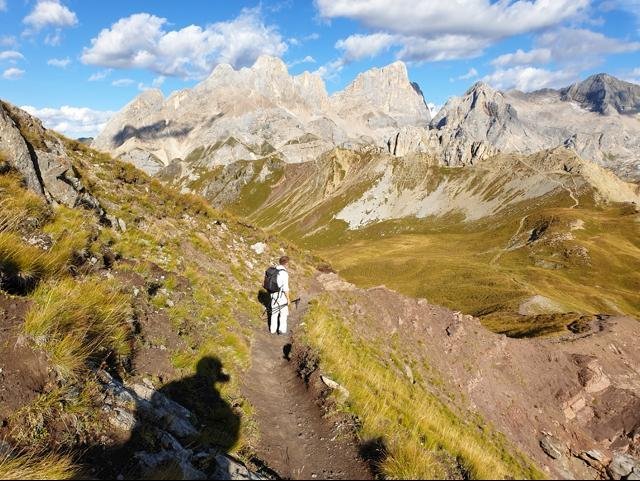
(8, 41)
(330, 70)
(72, 121)
(13, 73)
(444, 47)
(530, 78)
(435, 31)
(50, 13)
(484, 18)
(571, 50)
(631, 6)
(11, 56)
(571, 44)
(520, 57)
(568, 46)
(357, 47)
(141, 41)
(59, 62)
(633, 76)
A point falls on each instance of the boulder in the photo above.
(15, 151)
(552, 447)
(621, 466)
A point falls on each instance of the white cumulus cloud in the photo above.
(72, 121)
(530, 78)
(520, 57)
(11, 56)
(142, 41)
(435, 31)
(483, 18)
(357, 47)
(13, 73)
(50, 13)
(59, 62)
(570, 50)
(8, 41)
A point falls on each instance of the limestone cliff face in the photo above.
(596, 118)
(382, 98)
(262, 110)
(41, 158)
(256, 112)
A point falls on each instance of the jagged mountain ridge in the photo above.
(597, 118)
(252, 112)
(259, 111)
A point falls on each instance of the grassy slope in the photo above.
(452, 265)
(426, 435)
(79, 315)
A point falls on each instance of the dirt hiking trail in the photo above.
(296, 441)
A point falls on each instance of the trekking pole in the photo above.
(279, 307)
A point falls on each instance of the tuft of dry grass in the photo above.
(31, 466)
(76, 321)
(425, 438)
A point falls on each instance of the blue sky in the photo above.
(75, 62)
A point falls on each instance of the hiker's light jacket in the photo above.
(283, 286)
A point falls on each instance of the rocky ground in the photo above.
(570, 402)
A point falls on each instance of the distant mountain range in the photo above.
(255, 112)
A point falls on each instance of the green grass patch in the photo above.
(425, 438)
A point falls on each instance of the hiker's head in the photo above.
(210, 368)
(284, 261)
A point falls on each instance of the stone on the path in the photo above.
(552, 447)
(343, 393)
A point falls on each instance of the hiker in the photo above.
(277, 284)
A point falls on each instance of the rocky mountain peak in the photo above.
(386, 91)
(269, 64)
(604, 94)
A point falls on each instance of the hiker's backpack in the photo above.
(271, 280)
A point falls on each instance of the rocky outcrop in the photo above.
(521, 386)
(15, 151)
(258, 107)
(594, 118)
(41, 158)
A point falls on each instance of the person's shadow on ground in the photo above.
(148, 453)
(219, 424)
